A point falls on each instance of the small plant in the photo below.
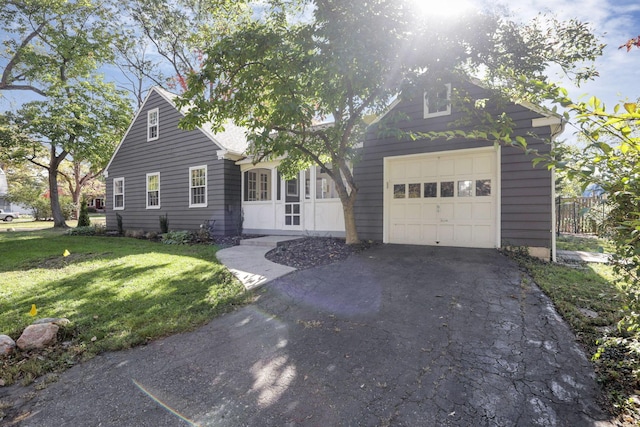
(177, 238)
(151, 235)
(83, 218)
(136, 234)
(82, 231)
(119, 222)
(164, 223)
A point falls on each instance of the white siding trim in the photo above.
(147, 191)
(206, 187)
(118, 208)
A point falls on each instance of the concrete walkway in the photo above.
(248, 264)
(581, 256)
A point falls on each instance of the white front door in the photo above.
(292, 205)
(444, 199)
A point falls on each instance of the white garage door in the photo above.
(443, 199)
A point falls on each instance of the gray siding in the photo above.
(172, 154)
(526, 198)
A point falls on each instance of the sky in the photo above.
(614, 21)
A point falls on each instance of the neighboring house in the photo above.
(4, 203)
(442, 193)
(4, 190)
(159, 169)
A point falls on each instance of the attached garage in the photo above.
(443, 199)
(454, 191)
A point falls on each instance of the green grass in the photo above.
(25, 223)
(569, 242)
(117, 292)
(577, 293)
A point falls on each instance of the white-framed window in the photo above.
(153, 190)
(325, 186)
(437, 102)
(198, 186)
(153, 127)
(257, 185)
(118, 194)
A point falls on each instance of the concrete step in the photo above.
(268, 241)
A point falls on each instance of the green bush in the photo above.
(91, 230)
(83, 218)
(164, 223)
(177, 238)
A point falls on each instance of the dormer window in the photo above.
(437, 102)
(152, 125)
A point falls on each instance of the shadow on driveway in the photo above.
(396, 335)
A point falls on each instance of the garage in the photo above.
(446, 198)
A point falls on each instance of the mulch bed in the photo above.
(314, 251)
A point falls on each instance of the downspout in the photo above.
(556, 130)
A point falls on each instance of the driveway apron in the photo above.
(395, 336)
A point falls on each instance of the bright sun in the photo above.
(443, 7)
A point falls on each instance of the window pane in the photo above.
(483, 187)
(430, 189)
(325, 187)
(118, 201)
(446, 189)
(399, 191)
(414, 191)
(292, 187)
(465, 188)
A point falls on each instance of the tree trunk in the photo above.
(348, 208)
(54, 197)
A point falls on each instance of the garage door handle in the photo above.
(444, 220)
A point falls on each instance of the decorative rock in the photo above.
(7, 345)
(60, 321)
(38, 336)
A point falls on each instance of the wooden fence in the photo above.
(580, 215)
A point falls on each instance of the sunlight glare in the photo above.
(442, 8)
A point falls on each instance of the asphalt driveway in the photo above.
(395, 336)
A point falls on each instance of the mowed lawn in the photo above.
(117, 292)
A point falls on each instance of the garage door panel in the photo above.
(463, 211)
(413, 212)
(483, 211)
(445, 199)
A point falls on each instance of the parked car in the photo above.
(8, 216)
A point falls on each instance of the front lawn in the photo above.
(590, 298)
(117, 292)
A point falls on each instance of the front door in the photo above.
(292, 208)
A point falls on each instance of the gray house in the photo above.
(457, 192)
(158, 169)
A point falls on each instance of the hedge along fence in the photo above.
(581, 215)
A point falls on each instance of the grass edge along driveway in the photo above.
(117, 293)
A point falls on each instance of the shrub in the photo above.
(136, 234)
(92, 230)
(164, 223)
(151, 235)
(177, 238)
(83, 218)
(119, 222)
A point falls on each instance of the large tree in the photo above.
(82, 123)
(284, 72)
(55, 49)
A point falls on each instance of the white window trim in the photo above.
(147, 192)
(261, 174)
(206, 187)
(446, 112)
(118, 208)
(150, 126)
